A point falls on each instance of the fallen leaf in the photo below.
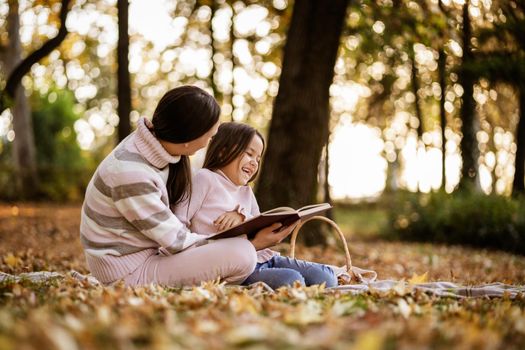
(403, 308)
(415, 279)
(369, 340)
(244, 303)
(310, 312)
(12, 261)
(247, 334)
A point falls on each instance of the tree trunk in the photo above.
(415, 89)
(392, 175)
(233, 60)
(468, 145)
(24, 151)
(326, 191)
(417, 106)
(442, 113)
(518, 185)
(299, 125)
(216, 92)
(124, 84)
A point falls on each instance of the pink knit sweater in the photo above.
(213, 194)
(126, 215)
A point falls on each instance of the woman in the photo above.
(127, 228)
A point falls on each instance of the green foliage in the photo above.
(468, 217)
(63, 169)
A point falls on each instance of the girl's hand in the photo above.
(271, 235)
(227, 220)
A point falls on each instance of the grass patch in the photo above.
(363, 222)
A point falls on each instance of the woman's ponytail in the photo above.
(179, 180)
(183, 114)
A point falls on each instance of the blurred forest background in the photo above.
(407, 115)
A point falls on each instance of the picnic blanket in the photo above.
(440, 288)
(44, 276)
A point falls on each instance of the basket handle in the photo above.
(335, 227)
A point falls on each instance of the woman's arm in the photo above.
(271, 235)
(141, 205)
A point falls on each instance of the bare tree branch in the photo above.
(25, 65)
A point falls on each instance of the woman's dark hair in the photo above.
(183, 114)
(228, 143)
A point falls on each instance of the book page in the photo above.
(313, 209)
(280, 210)
(311, 206)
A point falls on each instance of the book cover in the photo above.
(284, 215)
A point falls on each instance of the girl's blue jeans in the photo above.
(283, 271)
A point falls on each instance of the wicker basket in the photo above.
(295, 232)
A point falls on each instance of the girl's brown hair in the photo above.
(230, 141)
(183, 114)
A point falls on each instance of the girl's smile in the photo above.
(242, 169)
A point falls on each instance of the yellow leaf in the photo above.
(370, 340)
(11, 260)
(418, 278)
(244, 303)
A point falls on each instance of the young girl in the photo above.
(127, 228)
(222, 198)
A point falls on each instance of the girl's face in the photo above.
(242, 169)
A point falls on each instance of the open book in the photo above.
(284, 215)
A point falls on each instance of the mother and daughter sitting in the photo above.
(146, 219)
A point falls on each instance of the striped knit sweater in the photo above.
(126, 215)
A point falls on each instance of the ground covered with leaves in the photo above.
(66, 313)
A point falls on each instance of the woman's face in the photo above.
(242, 168)
(189, 148)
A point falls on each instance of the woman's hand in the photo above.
(271, 235)
(227, 220)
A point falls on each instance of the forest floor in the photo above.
(69, 314)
